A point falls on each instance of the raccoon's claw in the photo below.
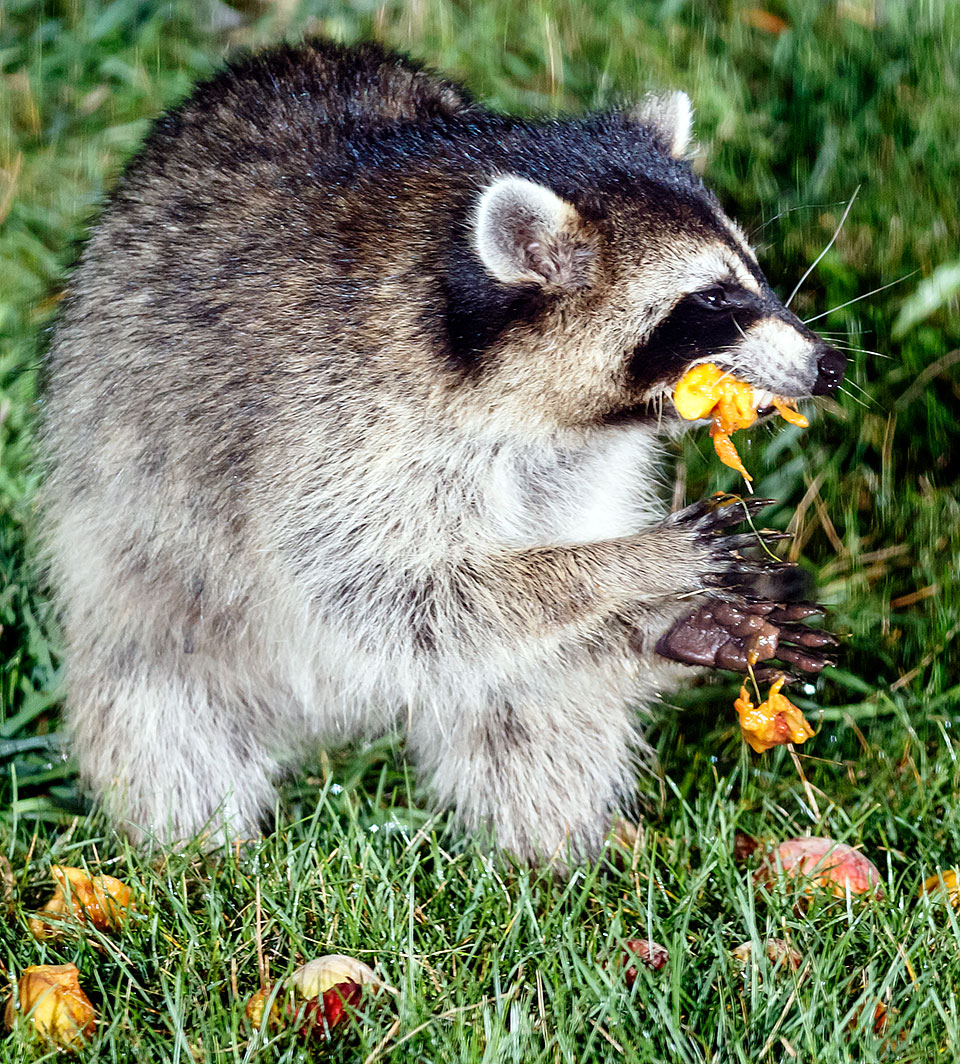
(760, 538)
(726, 636)
(728, 510)
(770, 675)
(738, 567)
(808, 637)
(804, 660)
(712, 515)
(796, 611)
(762, 581)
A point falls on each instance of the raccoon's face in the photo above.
(635, 285)
(716, 306)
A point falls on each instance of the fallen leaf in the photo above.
(744, 847)
(766, 21)
(650, 953)
(6, 885)
(880, 1019)
(49, 997)
(779, 953)
(863, 12)
(79, 897)
(931, 294)
(944, 883)
(625, 833)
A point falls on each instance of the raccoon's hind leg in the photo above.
(170, 752)
(544, 767)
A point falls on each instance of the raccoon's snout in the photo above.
(831, 366)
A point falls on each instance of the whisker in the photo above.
(856, 384)
(836, 233)
(852, 347)
(867, 351)
(866, 295)
(863, 391)
(789, 210)
(850, 395)
(835, 339)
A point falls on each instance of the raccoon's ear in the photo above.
(671, 116)
(526, 234)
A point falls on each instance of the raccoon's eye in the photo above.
(716, 298)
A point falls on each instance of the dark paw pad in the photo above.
(737, 636)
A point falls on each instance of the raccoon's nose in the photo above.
(830, 368)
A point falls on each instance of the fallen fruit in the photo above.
(779, 953)
(102, 900)
(50, 999)
(775, 722)
(316, 977)
(650, 953)
(706, 390)
(822, 863)
(321, 1014)
(256, 1005)
(316, 993)
(945, 883)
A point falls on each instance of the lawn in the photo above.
(801, 108)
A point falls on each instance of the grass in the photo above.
(798, 105)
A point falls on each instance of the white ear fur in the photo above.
(672, 117)
(524, 233)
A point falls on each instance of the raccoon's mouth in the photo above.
(658, 405)
(763, 401)
(761, 398)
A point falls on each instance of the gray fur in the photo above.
(279, 513)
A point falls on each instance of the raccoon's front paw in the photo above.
(732, 636)
(725, 566)
(747, 619)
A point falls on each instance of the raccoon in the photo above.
(353, 424)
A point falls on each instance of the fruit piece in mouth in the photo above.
(705, 391)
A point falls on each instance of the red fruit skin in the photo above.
(830, 865)
(320, 1015)
(653, 955)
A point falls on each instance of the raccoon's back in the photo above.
(218, 270)
(295, 100)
